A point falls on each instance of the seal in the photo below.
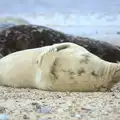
(60, 67)
(20, 37)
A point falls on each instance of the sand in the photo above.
(33, 104)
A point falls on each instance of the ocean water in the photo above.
(98, 19)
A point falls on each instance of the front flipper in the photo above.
(54, 48)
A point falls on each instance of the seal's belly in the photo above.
(23, 80)
(79, 75)
(18, 75)
(84, 83)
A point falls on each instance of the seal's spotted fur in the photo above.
(21, 37)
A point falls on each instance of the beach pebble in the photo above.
(45, 110)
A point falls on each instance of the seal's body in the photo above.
(60, 67)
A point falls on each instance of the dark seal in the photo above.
(21, 37)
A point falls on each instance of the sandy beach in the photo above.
(33, 104)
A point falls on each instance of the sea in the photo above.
(97, 19)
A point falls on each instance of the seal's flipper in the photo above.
(40, 56)
(53, 48)
(45, 52)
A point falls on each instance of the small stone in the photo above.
(87, 109)
(113, 94)
(34, 103)
(76, 115)
(38, 106)
(2, 109)
(25, 117)
(45, 110)
(58, 96)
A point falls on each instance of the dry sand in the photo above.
(33, 104)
